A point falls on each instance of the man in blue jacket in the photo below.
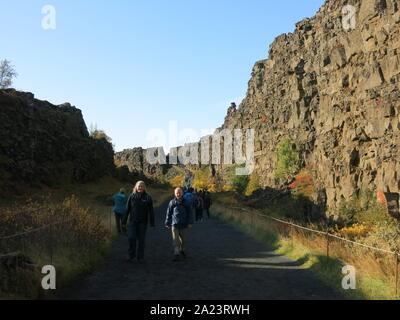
(179, 218)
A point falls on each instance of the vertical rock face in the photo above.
(336, 93)
(136, 161)
(333, 87)
(46, 144)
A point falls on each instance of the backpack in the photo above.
(189, 197)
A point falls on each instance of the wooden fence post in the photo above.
(327, 245)
(397, 274)
(51, 244)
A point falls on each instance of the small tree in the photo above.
(238, 183)
(7, 74)
(98, 134)
(288, 159)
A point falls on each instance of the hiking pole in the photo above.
(17, 271)
(397, 274)
(51, 244)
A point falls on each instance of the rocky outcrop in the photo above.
(44, 144)
(136, 161)
(336, 93)
(334, 89)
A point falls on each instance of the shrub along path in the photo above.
(222, 264)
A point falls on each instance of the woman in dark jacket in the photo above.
(140, 210)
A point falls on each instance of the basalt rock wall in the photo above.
(336, 93)
(44, 144)
(333, 87)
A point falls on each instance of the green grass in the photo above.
(329, 270)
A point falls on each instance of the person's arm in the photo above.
(168, 218)
(127, 212)
(151, 212)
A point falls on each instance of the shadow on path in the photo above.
(222, 264)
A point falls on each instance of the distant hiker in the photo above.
(189, 196)
(207, 203)
(119, 209)
(179, 218)
(198, 207)
(140, 210)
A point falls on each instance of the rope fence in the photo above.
(329, 238)
(318, 232)
(44, 245)
(52, 244)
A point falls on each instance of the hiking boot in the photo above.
(176, 258)
(183, 254)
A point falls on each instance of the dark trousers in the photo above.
(199, 214)
(136, 235)
(118, 220)
(208, 212)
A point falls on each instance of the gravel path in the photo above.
(223, 264)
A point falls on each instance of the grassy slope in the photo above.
(309, 254)
(97, 198)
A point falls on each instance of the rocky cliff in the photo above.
(334, 89)
(44, 144)
(336, 93)
(136, 161)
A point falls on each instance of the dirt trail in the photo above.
(223, 264)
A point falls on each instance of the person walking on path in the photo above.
(119, 209)
(207, 203)
(189, 196)
(179, 218)
(198, 206)
(141, 212)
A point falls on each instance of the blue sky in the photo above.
(133, 66)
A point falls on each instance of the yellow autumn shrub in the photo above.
(253, 185)
(177, 181)
(358, 230)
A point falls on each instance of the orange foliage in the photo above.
(302, 180)
(381, 196)
(304, 184)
